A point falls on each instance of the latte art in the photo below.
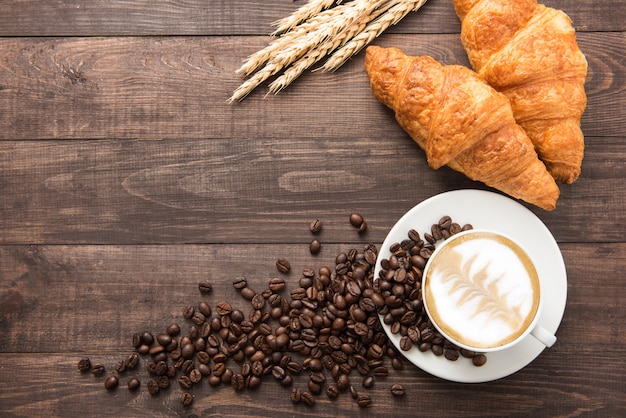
(482, 290)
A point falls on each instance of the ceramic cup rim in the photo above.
(531, 326)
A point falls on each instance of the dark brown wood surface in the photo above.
(126, 178)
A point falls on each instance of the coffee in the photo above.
(481, 290)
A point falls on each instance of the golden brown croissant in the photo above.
(459, 120)
(529, 52)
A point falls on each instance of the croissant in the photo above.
(460, 121)
(529, 52)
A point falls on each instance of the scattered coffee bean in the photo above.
(133, 384)
(308, 398)
(205, 287)
(283, 266)
(315, 247)
(326, 328)
(479, 360)
(98, 369)
(364, 401)
(356, 219)
(153, 387)
(186, 398)
(315, 226)
(397, 389)
(84, 365)
(296, 395)
(111, 382)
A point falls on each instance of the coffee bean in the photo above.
(238, 381)
(136, 340)
(332, 391)
(283, 266)
(364, 401)
(343, 381)
(479, 360)
(276, 284)
(133, 384)
(368, 382)
(153, 387)
(315, 226)
(356, 219)
(111, 382)
(185, 382)
(258, 301)
(205, 287)
(84, 365)
(307, 398)
(314, 388)
(296, 395)
(163, 382)
(397, 389)
(195, 376)
(204, 308)
(147, 337)
(315, 247)
(223, 308)
(278, 373)
(240, 282)
(186, 398)
(451, 354)
(98, 369)
(405, 343)
(188, 311)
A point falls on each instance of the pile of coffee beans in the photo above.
(326, 330)
(399, 293)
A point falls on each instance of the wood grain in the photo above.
(126, 178)
(256, 190)
(236, 17)
(173, 87)
(111, 292)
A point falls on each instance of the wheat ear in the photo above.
(315, 27)
(308, 10)
(354, 19)
(392, 16)
(246, 88)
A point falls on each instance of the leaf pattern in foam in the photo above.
(478, 285)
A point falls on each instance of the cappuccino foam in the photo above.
(482, 290)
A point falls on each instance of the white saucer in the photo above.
(490, 210)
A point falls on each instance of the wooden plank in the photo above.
(257, 190)
(164, 88)
(49, 385)
(249, 17)
(105, 294)
(61, 303)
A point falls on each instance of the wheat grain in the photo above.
(355, 17)
(393, 15)
(246, 88)
(308, 10)
(315, 30)
(305, 34)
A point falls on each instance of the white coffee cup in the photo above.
(481, 290)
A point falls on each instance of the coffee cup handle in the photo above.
(544, 336)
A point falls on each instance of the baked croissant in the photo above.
(529, 52)
(460, 121)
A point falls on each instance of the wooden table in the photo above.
(126, 178)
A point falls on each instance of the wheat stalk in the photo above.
(304, 32)
(394, 14)
(358, 17)
(308, 10)
(314, 31)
